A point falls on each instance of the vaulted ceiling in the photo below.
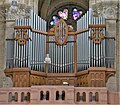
(47, 7)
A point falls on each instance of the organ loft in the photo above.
(61, 55)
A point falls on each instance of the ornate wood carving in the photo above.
(97, 33)
(22, 36)
(61, 32)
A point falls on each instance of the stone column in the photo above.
(118, 50)
(7, 23)
(4, 82)
(33, 4)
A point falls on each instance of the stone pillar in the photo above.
(7, 23)
(4, 82)
(118, 50)
(2, 49)
(33, 4)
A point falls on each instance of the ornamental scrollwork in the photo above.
(97, 35)
(22, 36)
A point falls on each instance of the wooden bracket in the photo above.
(22, 36)
(97, 33)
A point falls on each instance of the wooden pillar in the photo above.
(47, 51)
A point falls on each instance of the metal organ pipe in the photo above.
(38, 45)
(96, 45)
(89, 42)
(15, 48)
(24, 49)
(104, 41)
(42, 52)
(37, 50)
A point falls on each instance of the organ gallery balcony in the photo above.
(42, 95)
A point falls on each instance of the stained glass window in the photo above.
(63, 14)
(70, 13)
(76, 14)
(54, 20)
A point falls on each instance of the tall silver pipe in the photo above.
(97, 57)
(18, 61)
(63, 51)
(58, 59)
(19, 49)
(53, 57)
(44, 39)
(35, 38)
(24, 58)
(81, 36)
(104, 42)
(15, 48)
(52, 54)
(65, 58)
(42, 44)
(94, 55)
(100, 47)
(37, 42)
(29, 45)
(38, 56)
(89, 41)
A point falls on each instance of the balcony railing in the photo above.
(53, 95)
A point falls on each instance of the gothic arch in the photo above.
(47, 7)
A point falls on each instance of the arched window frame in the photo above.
(90, 96)
(47, 95)
(78, 96)
(96, 97)
(84, 97)
(41, 95)
(57, 95)
(63, 95)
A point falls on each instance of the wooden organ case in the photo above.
(83, 58)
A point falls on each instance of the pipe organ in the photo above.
(72, 54)
(32, 53)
